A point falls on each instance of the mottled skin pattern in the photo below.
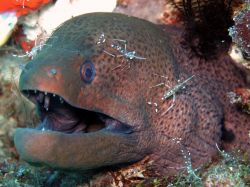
(122, 89)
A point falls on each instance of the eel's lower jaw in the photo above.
(77, 151)
(66, 140)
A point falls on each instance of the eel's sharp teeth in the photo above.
(40, 97)
(46, 102)
(61, 100)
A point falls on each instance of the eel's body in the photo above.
(109, 69)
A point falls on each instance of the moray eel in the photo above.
(99, 84)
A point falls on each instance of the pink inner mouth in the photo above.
(57, 115)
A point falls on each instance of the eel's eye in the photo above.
(87, 71)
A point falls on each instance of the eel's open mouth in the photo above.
(74, 138)
(58, 115)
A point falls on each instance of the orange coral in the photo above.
(21, 7)
(244, 93)
(241, 97)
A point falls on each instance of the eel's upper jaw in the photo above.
(73, 138)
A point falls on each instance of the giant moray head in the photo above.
(90, 96)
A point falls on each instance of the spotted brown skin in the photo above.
(105, 118)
